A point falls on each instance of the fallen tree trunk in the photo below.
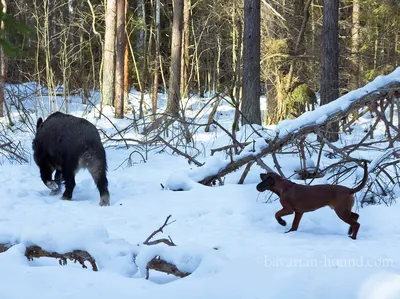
(35, 251)
(389, 91)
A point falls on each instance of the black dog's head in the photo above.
(268, 181)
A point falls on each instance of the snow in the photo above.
(227, 236)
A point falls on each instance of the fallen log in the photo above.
(284, 136)
(80, 256)
(36, 251)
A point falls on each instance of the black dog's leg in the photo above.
(69, 177)
(46, 173)
(98, 172)
(58, 178)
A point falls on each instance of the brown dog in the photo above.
(298, 199)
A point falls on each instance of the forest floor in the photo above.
(227, 235)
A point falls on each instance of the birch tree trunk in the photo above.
(175, 69)
(120, 60)
(109, 55)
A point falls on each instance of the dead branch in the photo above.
(227, 147)
(160, 230)
(334, 148)
(277, 165)
(179, 151)
(212, 114)
(246, 171)
(4, 247)
(162, 266)
(79, 256)
(5, 144)
(234, 140)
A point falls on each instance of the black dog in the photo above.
(66, 144)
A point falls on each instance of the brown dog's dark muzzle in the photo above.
(261, 187)
(266, 183)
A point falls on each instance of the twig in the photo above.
(115, 127)
(246, 171)
(160, 230)
(5, 144)
(335, 148)
(180, 152)
(226, 147)
(277, 165)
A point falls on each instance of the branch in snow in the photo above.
(35, 251)
(4, 247)
(160, 230)
(80, 256)
(162, 266)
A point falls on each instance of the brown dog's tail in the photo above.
(364, 180)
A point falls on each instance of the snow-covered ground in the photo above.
(226, 235)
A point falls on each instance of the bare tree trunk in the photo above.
(156, 58)
(237, 40)
(185, 49)
(109, 55)
(3, 63)
(120, 60)
(126, 78)
(143, 42)
(355, 46)
(175, 70)
(330, 61)
(126, 64)
(251, 63)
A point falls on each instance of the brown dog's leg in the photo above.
(347, 217)
(281, 213)
(355, 216)
(296, 221)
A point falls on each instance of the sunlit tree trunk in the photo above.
(185, 49)
(156, 58)
(120, 60)
(109, 55)
(175, 69)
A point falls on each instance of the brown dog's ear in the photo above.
(263, 176)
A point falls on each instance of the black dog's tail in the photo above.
(38, 123)
(364, 180)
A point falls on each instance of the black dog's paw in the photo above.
(281, 222)
(55, 192)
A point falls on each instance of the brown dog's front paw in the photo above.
(281, 221)
(354, 238)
